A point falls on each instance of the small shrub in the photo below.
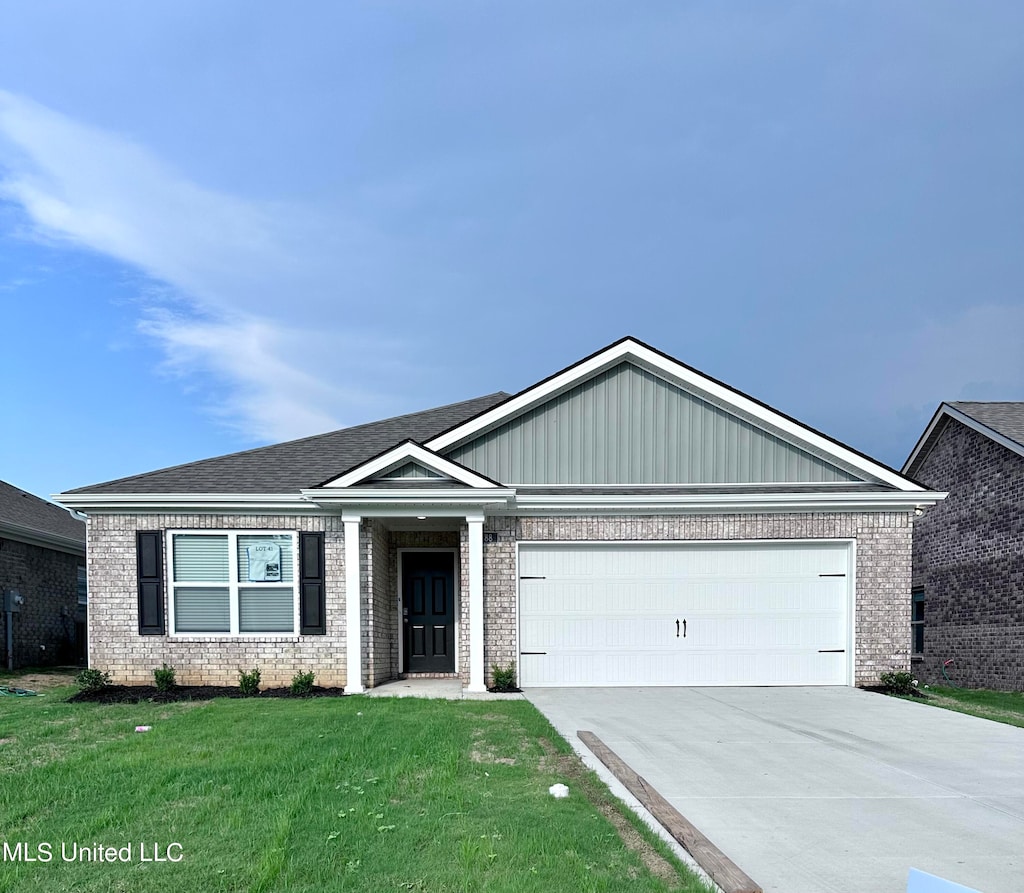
(164, 678)
(899, 682)
(92, 680)
(249, 682)
(504, 677)
(302, 683)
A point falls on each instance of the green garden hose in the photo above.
(8, 692)
(945, 675)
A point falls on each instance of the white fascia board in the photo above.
(406, 452)
(415, 500)
(731, 503)
(46, 540)
(945, 410)
(689, 378)
(108, 503)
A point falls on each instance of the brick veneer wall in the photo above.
(883, 582)
(379, 610)
(883, 568)
(500, 585)
(969, 557)
(44, 629)
(116, 646)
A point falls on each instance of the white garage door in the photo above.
(649, 614)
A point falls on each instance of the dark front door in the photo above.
(428, 607)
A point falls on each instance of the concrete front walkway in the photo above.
(821, 790)
(445, 689)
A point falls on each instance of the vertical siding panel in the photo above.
(628, 426)
(666, 459)
(654, 408)
(696, 442)
(680, 462)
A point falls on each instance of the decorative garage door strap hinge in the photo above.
(532, 652)
(533, 578)
(831, 575)
(831, 651)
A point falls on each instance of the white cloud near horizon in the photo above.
(975, 354)
(241, 270)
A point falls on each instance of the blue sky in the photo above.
(228, 224)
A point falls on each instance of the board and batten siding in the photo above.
(629, 426)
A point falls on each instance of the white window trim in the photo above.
(233, 584)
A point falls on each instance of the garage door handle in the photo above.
(831, 651)
(677, 629)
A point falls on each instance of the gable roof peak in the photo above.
(1001, 421)
(686, 378)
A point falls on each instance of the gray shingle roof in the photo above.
(1003, 418)
(23, 510)
(296, 464)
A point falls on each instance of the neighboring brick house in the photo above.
(968, 580)
(42, 558)
(626, 521)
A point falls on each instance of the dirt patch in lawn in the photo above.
(570, 767)
(135, 694)
(503, 748)
(38, 681)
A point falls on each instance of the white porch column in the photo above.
(353, 601)
(476, 603)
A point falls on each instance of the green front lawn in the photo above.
(344, 794)
(1001, 706)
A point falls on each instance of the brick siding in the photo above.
(44, 629)
(116, 647)
(882, 615)
(969, 559)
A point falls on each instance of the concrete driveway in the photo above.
(814, 790)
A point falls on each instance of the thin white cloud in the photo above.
(977, 354)
(269, 396)
(242, 270)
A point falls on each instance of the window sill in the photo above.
(228, 637)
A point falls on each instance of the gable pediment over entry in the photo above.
(410, 464)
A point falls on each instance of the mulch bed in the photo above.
(136, 694)
(882, 690)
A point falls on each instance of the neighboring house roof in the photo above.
(1003, 418)
(33, 520)
(296, 464)
(1002, 422)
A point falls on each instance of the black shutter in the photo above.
(151, 582)
(312, 607)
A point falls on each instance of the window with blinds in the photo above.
(233, 582)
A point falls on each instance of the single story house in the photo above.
(968, 577)
(626, 521)
(42, 581)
